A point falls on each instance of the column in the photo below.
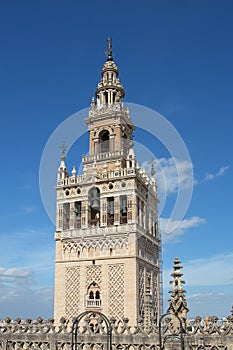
(129, 209)
(84, 214)
(116, 210)
(59, 217)
(72, 209)
(103, 212)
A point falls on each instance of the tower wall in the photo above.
(116, 279)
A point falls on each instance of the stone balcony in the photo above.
(96, 303)
(108, 108)
(96, 231)
(103, 156)
(81, 179)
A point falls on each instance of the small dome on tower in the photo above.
(110, 65)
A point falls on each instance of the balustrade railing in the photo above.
(103, 156)
(93, 303)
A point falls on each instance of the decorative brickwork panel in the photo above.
(116, 286)
(72, 279)
(141, 290)
(93, 274)
(82, 248)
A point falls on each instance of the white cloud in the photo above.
(220, 172)
(208, 304)
(208, 282)
(172, 229)
(22, 301)
(20, 296)
(174, 176)
(171, 174)
(15, 277)
(209, 271)
(213, 271)
(15, 272)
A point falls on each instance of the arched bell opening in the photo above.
(66, 216)
(110, 211)
(94, 206)
(104, 141)
(77, 216)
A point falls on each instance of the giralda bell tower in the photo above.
(107, 238)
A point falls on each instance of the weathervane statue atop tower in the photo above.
(109, 50)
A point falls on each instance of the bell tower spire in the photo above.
(109, 123)
(109, 90)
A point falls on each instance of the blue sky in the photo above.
(174, 57)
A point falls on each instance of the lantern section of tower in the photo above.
(107, 237)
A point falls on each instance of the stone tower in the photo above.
(107, 238)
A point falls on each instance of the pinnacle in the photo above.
(177, 302)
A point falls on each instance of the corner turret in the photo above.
(62, 171)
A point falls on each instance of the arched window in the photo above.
(66, 216)
(104, 141)
(93, 296)
(94, 206)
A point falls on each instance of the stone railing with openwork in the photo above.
(200, 334)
